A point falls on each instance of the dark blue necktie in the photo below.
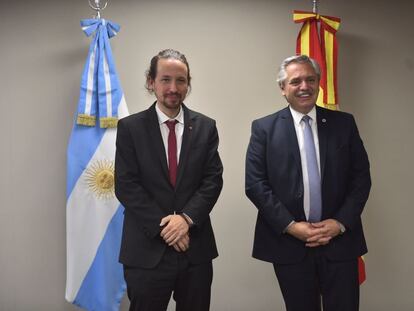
(315, 199)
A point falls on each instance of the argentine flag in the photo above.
(94, 216)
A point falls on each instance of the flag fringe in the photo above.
(87, 120)
(108, 122)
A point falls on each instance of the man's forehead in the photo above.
(300, 70)
(168, 65)
(167, 62)
(301, 75)
(170, 74)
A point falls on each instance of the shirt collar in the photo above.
(297, 116)
(162, 117)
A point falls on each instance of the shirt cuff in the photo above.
(287, 227)
(187, 218)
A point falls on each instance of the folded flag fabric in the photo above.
(93, 214)
(322, 46)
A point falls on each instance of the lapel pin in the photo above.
(190, 127)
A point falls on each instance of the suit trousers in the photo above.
(317, 281)
(151, 289)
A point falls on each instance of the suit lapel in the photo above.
(189, 122)
(291, 137)
(156, 139)
(322, 120)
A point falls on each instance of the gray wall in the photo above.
(233, 48)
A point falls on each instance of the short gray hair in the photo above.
(297, 59)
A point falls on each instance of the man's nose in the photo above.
(173, 86)
(304, 85)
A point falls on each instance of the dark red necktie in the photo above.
(172, 151)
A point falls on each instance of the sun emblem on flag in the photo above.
(99, 177)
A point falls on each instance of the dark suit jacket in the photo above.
(142, 185)
(274, 184)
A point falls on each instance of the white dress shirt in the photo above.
(179, 129)
(299, 127)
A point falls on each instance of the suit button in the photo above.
(300, 194)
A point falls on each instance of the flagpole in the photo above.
(98, 7)
(315, 6)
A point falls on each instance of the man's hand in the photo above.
(328, 229)
(304, 231)
(175, 229)
(182, 244)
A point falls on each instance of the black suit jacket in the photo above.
(142, 185)
(274, 184)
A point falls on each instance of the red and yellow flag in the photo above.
(322, 46)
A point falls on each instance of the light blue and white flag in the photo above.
(94, 215)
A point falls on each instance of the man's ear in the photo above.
(150, 84)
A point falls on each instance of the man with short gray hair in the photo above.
(307, 172)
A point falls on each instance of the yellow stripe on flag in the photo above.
(329, 41)
(332, 23)
(319, 101)
(304, 39)
(300, 16)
